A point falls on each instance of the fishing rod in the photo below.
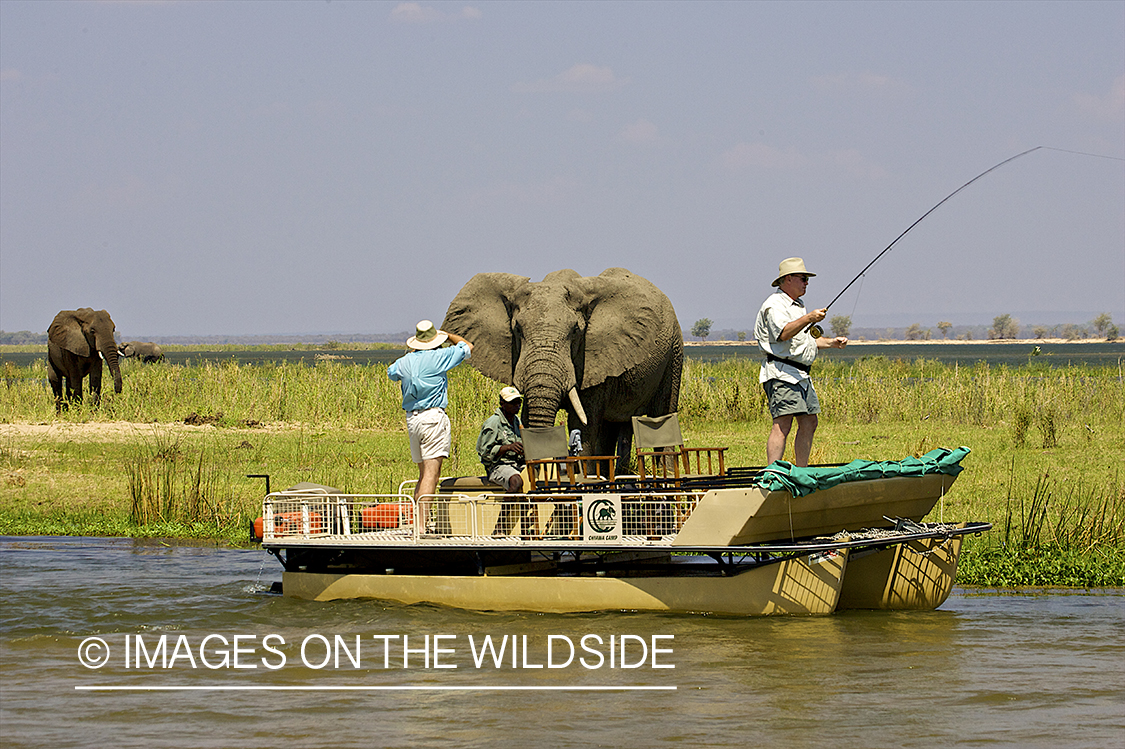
(818, 331)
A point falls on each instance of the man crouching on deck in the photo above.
(782, 333)
(500, 446)
(422, 375)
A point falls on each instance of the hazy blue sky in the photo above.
(302, 167)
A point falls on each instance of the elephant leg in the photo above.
(96, 382)
(624, 447)
(55, 377)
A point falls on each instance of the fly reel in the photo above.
(816, 331)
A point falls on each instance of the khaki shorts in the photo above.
(430, 434)
(501, 472)
(787, 399)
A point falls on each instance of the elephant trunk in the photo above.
(109, 353)
(541, 409)
(546, 379)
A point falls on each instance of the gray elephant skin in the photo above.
(143, 350)
(74, 342)
(603, 348)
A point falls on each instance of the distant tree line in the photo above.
(22, 338)
(1003, 327)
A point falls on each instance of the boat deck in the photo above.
(738, 543)
(535, 522)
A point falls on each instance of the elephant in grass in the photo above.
(603, 348)
(143, 350)
(75, 340)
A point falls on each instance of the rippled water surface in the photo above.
(1001, 670)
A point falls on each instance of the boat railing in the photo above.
(289, 515)
(486, 518)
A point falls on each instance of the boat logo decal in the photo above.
(602, 516)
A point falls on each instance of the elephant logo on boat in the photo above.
(602, 516)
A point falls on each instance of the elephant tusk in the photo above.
(577, 404)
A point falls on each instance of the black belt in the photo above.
(806, 368)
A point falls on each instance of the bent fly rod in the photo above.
(817, 331)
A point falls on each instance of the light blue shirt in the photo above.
(422, 376)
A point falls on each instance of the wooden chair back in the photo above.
(661, 453)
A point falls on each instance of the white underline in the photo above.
(499, 688)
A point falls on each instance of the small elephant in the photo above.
(77, 341)
(605, 348)
(143, 350)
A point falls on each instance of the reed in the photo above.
(344, 395)
(1078, 516)
(169, 482)
(876, 389)
(1052, 535)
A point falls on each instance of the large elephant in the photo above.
(604, 348)
(143, 350)
(74, 340)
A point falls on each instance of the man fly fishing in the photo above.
(782, 331)
(789, 339)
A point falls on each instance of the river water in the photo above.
(985, 669)
(960, 353)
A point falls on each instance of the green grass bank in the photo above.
(1046, 467)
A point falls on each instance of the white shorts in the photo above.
(430, 434)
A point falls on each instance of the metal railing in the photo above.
(399, 519)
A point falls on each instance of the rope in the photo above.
(879, 534)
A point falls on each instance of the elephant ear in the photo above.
(628, 321)
(66, 332)
(481, 313)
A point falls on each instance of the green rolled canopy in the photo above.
(781, 475)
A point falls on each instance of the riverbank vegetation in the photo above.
(170, 455)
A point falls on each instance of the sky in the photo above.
(258, 168)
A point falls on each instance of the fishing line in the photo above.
(858, 292)
(1082, 153)
(816, 329)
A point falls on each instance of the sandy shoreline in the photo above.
(118, 431)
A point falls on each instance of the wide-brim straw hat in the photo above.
(788, 267)
(426, 336)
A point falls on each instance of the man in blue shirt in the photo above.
(422, 376)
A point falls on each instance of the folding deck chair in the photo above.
(661, 453)
(551, 469)
(663, 462)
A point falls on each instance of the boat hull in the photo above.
(808, 584)
(740, 516)
(913, 576)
